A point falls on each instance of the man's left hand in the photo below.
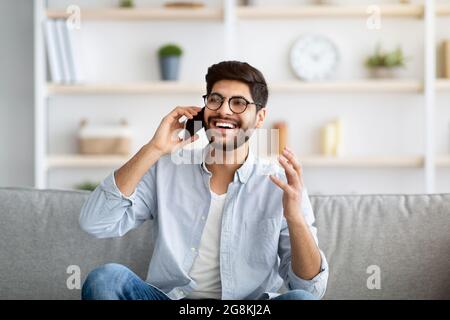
(292, 190)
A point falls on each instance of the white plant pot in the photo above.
(322, 2)
(384, 73)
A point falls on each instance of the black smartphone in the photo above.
(195, 124)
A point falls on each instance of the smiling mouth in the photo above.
(224, 125)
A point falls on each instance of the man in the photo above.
(225, 229)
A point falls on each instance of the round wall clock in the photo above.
(314, 57)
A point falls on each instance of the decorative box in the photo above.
(104, 139)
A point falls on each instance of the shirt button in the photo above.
(193, 249)
(203, 217)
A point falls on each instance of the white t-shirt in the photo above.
(206, 268)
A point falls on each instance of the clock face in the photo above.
(314, 57)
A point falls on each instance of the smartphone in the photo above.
(193, 125)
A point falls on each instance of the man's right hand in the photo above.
(166, 138)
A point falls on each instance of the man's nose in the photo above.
(224, 108)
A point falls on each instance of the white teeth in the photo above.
(225, 124)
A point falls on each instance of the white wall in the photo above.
(16, 93)
(375, 124)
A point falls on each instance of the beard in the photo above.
(227, 140)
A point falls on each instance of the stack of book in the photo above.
(64, 62)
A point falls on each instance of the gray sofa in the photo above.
(401, 240)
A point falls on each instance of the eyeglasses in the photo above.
(237, 104)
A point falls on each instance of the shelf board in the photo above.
(443, 161)
(247, 12)
(354, 86)
(173, 87)
(326, 11)
(85, 161)
(362, 161)
(155, 13)
(443, 9)
(162, 87)
(443, 84)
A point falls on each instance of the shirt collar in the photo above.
(244, 171)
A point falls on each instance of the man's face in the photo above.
(227, 130)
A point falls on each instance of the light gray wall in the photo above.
(16, 93)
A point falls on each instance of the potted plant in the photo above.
(87, 185)
(320, 2)
(126, 3)
(169, 61)
(385, 64)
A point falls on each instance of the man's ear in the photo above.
(260, 116)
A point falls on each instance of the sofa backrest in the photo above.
(402, 241)
(42, 245)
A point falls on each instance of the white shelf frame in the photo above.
(40, 99)
(229, 15)
(430, 95)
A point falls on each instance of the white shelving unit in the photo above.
(229, 14)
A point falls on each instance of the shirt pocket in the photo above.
(261, 241)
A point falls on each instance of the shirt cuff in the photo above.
(109, 185)
(316, 285)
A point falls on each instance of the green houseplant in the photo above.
(126, 3)
(169, 61)
(87, 185)
(384, 64)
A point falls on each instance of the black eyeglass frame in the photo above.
(205, 97)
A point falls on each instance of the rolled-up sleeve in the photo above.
(316, 286)
(108, 213)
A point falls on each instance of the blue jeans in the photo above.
(116, 282)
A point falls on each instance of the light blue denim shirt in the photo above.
(255, 249)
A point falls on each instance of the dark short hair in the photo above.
(240, 71)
